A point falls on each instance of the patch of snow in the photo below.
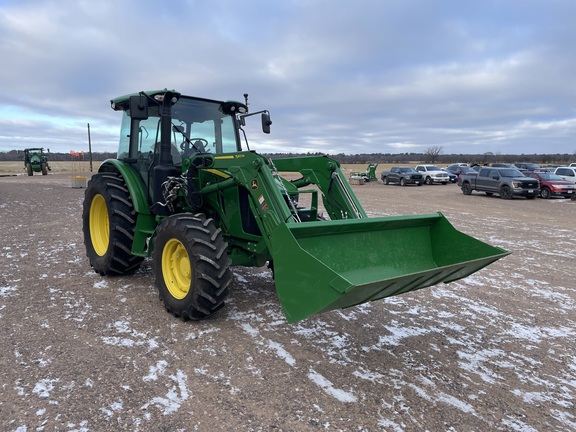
(281, 352)
(329, 389)
(5, 291)
(44, 387)
(101, 284)
(175, 397)
(155, 370)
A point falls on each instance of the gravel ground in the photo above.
(495, 351)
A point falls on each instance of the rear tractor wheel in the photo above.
(191, 266)
(108, 223)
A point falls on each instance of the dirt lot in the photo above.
(495, 351)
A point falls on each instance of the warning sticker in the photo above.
(263, 203)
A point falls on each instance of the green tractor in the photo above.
(36, 161)
(184, 192)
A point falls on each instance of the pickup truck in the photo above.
(506, 182)
(433, 174)
(403, 176)
(567, 173)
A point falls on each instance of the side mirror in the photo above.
(266, 122)
(138, 106)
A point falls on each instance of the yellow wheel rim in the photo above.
(176, 269)
(99, 225)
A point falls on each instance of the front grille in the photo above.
(529, 185)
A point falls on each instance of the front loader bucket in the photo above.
(326, 265)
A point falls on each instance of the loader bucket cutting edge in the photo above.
(321, 266)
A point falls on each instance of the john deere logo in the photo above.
(254, 184)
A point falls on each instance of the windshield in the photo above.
(511, 173)
(551, 177)
(199, 119)
(407, 170)
(204, 119)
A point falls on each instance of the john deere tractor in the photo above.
(183, 191)
(35, 161)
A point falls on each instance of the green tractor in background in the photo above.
(184, 192)
(36, 161)
(368, 175)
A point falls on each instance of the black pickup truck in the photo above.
(506, 182)
(402, 176)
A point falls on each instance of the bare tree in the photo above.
(432, 153)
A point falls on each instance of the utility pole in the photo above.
(89, 147)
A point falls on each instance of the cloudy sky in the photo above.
(362, 76)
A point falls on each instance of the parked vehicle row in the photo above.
(506, 180)
(509, 182)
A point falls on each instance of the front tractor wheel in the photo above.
(191, 266)
(108, 223)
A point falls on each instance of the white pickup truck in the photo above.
(433, 174)
(567, 173)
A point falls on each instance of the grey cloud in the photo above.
(337, 76)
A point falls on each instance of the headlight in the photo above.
(516, 184)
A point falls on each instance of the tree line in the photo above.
(15, 155)
(432, 155)
(442, 159)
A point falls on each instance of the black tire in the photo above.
(43, 168)
(428, 180)
(506, 192)
(386, 181)
(108, 223)
(444, 183)
(466, 188)
(419, 184)
(545, 193)
(29, 169)
(191, 266)
(402, 182)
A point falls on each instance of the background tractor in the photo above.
(184, 192)
(36, 161)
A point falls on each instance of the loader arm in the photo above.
(313, 269)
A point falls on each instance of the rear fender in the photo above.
(133, 182)
(145, 220)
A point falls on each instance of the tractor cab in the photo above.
(162, 128)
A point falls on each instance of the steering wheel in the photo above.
(199, 144)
